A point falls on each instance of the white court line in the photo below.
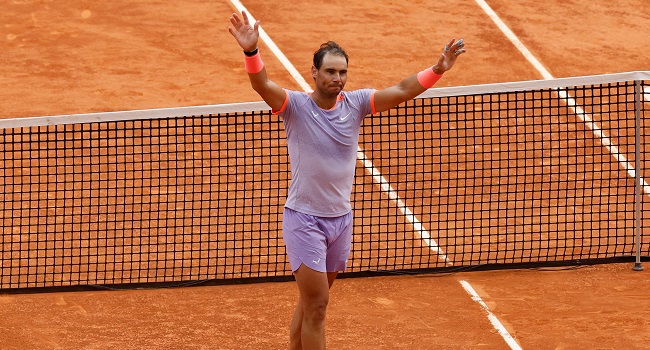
(367, 164)
(607, 143)
(515, 41)
(392, 195)
(493, 319)
(577, 110)
(646, 93)
(598, 132)
(275, 49)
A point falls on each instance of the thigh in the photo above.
(313, 286)
(305, 241)
(338, 250)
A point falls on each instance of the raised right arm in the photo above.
(247, 36)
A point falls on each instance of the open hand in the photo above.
(245, 33)
(448, 56)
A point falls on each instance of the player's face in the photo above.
(330, 78)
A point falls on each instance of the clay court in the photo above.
(70, 57)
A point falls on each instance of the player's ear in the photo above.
(314, 71)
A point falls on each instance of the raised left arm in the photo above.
(416, 84)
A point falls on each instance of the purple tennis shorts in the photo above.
(321, 243)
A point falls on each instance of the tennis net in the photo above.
(518, 173)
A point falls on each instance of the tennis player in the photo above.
(322, 131)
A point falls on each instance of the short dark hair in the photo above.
(328, 47)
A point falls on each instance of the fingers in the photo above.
(460, 44)
(238, 23)
(459, 47)
(246, 22)
(455, 47)
(234, 20)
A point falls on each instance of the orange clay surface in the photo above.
(66, 57)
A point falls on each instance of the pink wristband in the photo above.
(253, 64)
(427, 78)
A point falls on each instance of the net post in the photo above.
(637, 123)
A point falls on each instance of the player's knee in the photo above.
(316, 309)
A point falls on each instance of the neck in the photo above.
(324, 101)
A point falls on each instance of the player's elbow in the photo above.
(257, 84)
